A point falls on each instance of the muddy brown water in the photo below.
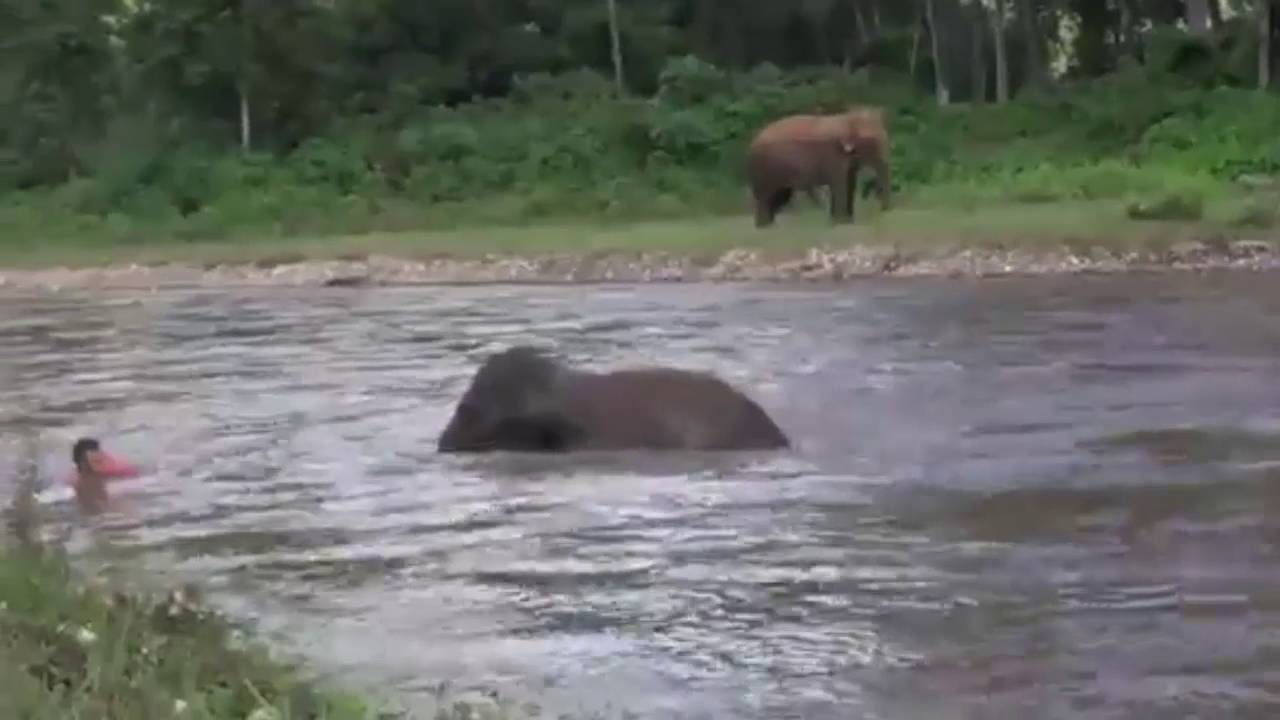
(1041, 497)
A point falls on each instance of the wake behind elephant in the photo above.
(803, 152)
(522, 400)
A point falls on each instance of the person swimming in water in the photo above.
(94, 467)
(91, 460)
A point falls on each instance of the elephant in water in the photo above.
(521, 400)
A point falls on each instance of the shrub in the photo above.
(1256, 213)
(1168, 206)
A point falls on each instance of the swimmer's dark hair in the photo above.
(83, 447)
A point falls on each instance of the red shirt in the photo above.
(107, 467)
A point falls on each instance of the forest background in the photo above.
(141, 121)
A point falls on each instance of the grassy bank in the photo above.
(67, 650)
(1075, 225)
(563, 166)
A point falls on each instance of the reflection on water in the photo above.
(1055, 497)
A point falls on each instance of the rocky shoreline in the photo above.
(739, 265)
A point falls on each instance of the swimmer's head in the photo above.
(92, 461)
(81, 450)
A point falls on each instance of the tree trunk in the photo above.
(615, 43)
(978, 67)
(246, 131)
(242, 84)
(860, 22)
(1198, 16)
(1035, 74)
(847, 39)
(915, 46)
(1265, 9)
(1127, 45)
(939, 82)
(1215, 13)
(818, 26)
(1091, 40)
(1002, 59)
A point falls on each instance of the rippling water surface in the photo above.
(1053, 497)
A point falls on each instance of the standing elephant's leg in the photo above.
(780, 198)
(837, 181)
(769, 202)
(764, 206)
(763, 217)
(841, 195)
(851, 187)
(880, 164)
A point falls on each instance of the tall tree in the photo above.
(939, 78)
(57, 85)
(1034, 60)
(978, 68)
(1092, 57)
(998, 20)
(615, 46)
(1199, 21)
(1215, 13)
(1126, 31)
(1265, 10)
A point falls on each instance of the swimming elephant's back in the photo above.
(671, 408)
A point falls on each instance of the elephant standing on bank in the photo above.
(803, 152)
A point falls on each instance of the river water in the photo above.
(1046, 497)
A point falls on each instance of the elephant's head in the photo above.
(512, 403)
(858, 124)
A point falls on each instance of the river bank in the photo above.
(69, 648)
(813, 264)
(1041, 239)
(89, 644)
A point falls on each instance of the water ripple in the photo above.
(1039, 498)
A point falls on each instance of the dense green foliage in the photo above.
(124, 120)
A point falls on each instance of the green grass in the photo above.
(68, 650)
(937, 220)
